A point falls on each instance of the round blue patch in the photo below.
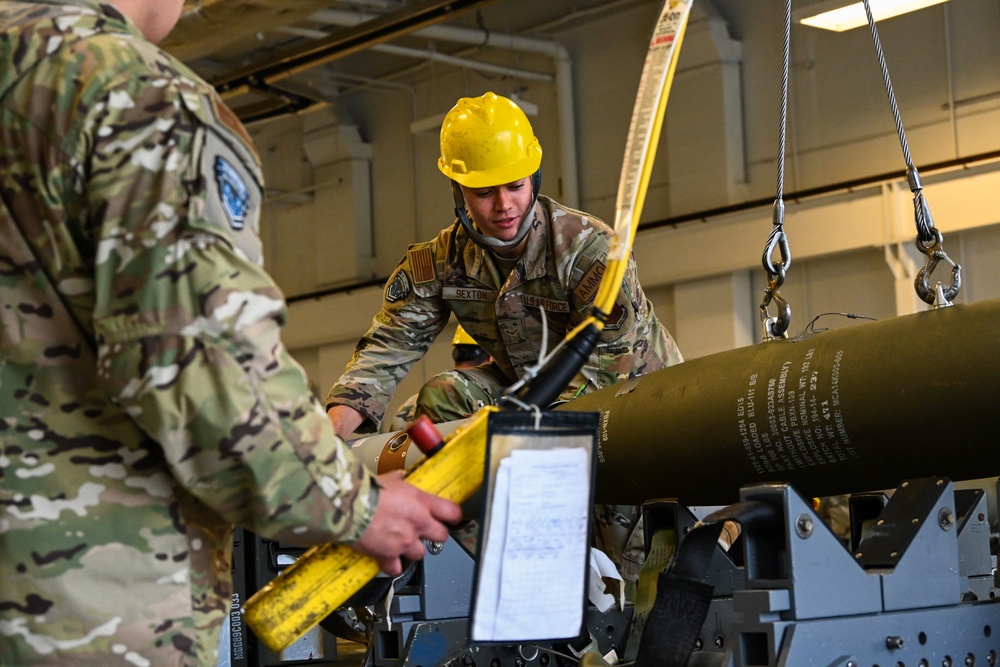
(233, 192)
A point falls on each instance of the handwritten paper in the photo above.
(531, 578)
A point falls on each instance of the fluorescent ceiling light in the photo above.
(840, 15)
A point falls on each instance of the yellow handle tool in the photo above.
(326, 576)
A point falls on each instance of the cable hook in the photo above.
(777, 239)
(929, 239)
(936, 296)
(775, 327)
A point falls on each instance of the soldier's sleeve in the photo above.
(188, 323)
(412, 315)
(404, 415)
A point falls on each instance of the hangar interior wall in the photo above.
(352, 185)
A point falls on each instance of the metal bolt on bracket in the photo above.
(803, 526)
(946, 518)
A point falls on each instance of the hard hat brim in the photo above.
(501, 175)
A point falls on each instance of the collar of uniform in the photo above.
(538, 242)
(472, 254)
(102, 7)
(536, 253)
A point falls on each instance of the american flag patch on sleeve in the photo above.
(421, 264)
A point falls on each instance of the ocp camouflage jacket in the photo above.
(146, 401)
(557, 274)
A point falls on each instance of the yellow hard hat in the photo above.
(487, 141)
(462, 338)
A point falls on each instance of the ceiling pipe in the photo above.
(424, 54)
(463, 62)
(563, 78)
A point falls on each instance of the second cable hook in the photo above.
(776, 327)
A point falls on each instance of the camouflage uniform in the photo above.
(448, 396)
(558, 272)
(404, 415)
(146, 401)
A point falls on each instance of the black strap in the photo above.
(659, 556)
(682, 592)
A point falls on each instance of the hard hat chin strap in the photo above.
(489, 242)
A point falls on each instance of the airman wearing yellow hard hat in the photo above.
(488, 142)
(518, 271)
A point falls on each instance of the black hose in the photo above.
(550, 382)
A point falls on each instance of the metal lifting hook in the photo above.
(777, 239)
(935, 254)
(775, 327)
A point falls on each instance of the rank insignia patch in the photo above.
(398, 288)
(233, 192)
(512, 331)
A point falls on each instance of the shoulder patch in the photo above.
(205, 104)
(615, 318)
(587, 287)
(622, 317)
(226, 116)
(232, 196)
(421, 264)
(233, 193)
(398, 287)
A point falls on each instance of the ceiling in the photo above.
(269, 61)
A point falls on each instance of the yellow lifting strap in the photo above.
(640, 149)
(326, 576)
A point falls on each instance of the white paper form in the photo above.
(488, 592)
(534, 562)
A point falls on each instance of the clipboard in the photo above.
(530, 581)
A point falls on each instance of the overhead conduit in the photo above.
(563, 77)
